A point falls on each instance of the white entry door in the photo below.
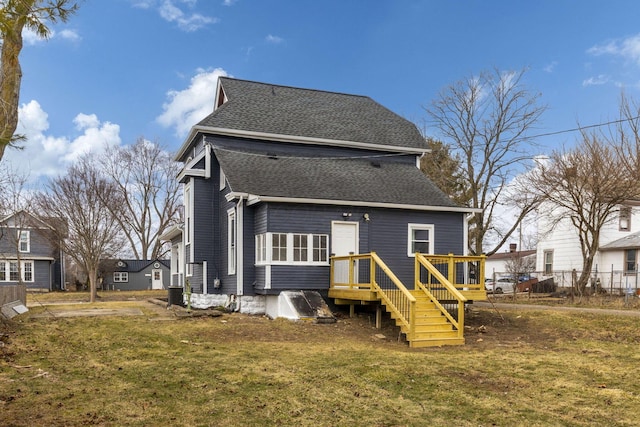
(344, 241)
(156, 279)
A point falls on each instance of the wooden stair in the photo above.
(432, 328)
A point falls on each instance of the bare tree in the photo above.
(16, 15)
(443, 168)
(79, 198)
(485, 120)
(585, 185)
(15, 203)
(149, 197)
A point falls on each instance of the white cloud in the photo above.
(274, 39)
(30, 38)
(229, 2)
(549, 68)
(627, 48)
(596, 81)
(48, 155)
(176, 11)
(70, 35)
(187, 107)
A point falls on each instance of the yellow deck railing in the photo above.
(448, 281)
(441, 291)
(368, 271)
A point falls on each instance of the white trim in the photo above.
(223, 180)
(21, 270)
(253, 199)
(411, 227)
(28, 241)
(205, 288)
(291, 138)
(267, 276)
(232, 241)
(289, 258)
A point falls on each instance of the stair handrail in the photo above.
(407, 319)
(444, 282)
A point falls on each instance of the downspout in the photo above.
(240, 246)
(465, 235)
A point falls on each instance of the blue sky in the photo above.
(123, 69)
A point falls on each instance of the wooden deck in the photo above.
(431, 313)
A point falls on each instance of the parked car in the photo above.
(505, 284)
(500, 286)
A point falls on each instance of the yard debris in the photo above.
(482, 329)
(380, 336)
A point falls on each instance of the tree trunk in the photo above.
(10, 79)
(93, 284)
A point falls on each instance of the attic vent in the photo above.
(120, 264)
(375, 164)
(156, 265)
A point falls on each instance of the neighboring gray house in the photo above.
(29, 254)
(134, 274)
(277, 179)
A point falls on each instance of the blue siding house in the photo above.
(278, 179)
(28, 253)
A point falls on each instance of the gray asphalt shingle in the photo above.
(362, 180)
(284, 110)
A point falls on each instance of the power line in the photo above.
(582, 128)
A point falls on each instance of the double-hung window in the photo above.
(24, 241)
(292, 248)
(14, 271)
(630, 261)
(279, 247)
(548, 262)
(420, 239)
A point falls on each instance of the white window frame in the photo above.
(21, 269)
(549, 253)
(411, 228)
(261, 249)
(188, 213)
(223, 180)
(624, 220)
(321, 250)
(31, 271)
(271, 248)
(232, 244)
(15, 269)
(265, 249)
(120, 277)
(24, 237)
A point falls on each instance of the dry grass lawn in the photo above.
(518, 368)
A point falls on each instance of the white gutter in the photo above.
(253, 199)
(293, 139)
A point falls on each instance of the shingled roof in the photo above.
(267, 109)
(339, 179)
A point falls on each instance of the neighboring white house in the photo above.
(615, 264)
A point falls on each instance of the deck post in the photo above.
(378, 316)
(352, 310)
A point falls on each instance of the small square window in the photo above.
(420, 239)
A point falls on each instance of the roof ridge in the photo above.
(298, 88)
